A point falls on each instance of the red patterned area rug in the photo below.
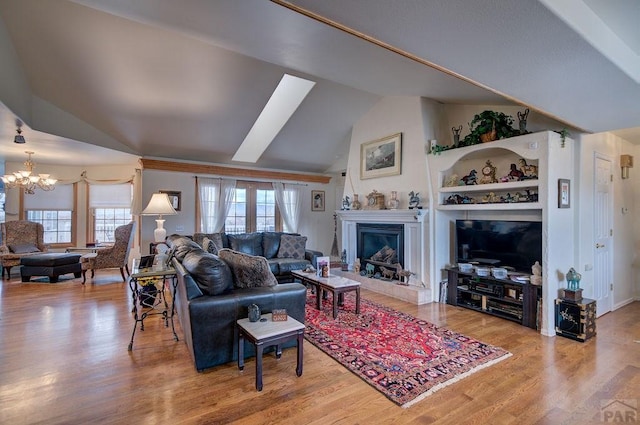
(405, 358)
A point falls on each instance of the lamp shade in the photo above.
(159, 205)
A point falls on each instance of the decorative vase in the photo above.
(355, 205)
(254, 313)
(393, 203)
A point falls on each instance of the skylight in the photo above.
(284, 101)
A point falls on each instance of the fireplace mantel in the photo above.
(415, 242)
(383, 216)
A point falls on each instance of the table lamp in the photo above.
(159, 205)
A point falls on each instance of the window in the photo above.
(57, 224)
(105, 221)
(109, 207)
(253, 209)
(55, 211)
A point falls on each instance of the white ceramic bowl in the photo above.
(465, 267)
(482, 271)
(499, 273)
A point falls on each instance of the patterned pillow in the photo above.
(292, 246)
(23, 248)
(212, 245)
(249, 271)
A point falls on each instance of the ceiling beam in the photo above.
(243, 173)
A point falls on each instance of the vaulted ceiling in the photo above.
(104, 81)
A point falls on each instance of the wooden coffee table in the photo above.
(337, 285)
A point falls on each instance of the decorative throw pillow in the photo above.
(23, 248)
(292, 246)
(249, 271)
(212, 245)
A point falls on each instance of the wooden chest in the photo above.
(576, 319)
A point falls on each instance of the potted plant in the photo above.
(488, 126)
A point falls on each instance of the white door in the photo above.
(603, 235)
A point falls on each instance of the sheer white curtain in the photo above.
(289, 200)
(216, 197)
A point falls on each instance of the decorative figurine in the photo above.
(394, 202)
(528, 171)
(370, 269)
(536, 277)
(403, 275)
(573, 279)
(515, 174)
(414, 200)
(356, 265)
(344, 266)
(346, 203)
(253, 312)
(387, 273)
(490, 198)
(470, 179)
(456, 135)
(452, 181)
(355, 205)
(488, 173)
(522, 121)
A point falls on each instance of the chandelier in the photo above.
(28, 182)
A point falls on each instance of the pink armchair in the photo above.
(116, 256)
(20, 238)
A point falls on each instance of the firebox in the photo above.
(380, 244)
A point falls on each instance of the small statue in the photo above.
(370, 269)
(356, 265)
(414, 200)
(573, 279)
(403, 275)
(536, 277)
(343, 257)
(355, 205)
(346, 203)
(452, 181)
(456, 135)
(522, 121)
(528, 171)
(470, 178)
(515, 174)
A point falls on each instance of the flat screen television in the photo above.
(516, 244)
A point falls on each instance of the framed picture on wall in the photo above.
(564, 193)
(175, 198)
(317, 200)
(381, 157)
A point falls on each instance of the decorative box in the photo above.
(576, 320)
(279, 315)
(574, 295)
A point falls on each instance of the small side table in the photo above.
(159, 305)
(265, 334)
(576, 319)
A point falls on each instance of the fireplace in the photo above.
(410, 233)
(380, 244)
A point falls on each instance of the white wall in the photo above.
(416, 119)
(317, 226)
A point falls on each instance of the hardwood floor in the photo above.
(64, 360)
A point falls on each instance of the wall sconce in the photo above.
(626, 162)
